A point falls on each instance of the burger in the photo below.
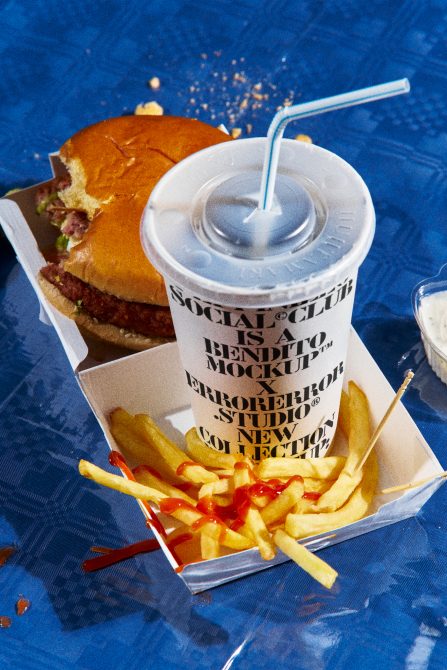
(100, 276)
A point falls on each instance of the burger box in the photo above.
(153, 382)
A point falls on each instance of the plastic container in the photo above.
(261, 301)
(430, 309)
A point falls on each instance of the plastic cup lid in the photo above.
(201, 227)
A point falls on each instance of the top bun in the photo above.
(114, 165)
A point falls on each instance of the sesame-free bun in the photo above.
(114, 166)
(105, 332)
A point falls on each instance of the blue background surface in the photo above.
(68, 64)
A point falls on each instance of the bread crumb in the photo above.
(149, 108)
(303, 138)
(154, 83)
(244, 104)
(248, 128)
(236, 132)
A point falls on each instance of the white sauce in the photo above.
(433, 313)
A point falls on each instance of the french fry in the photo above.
(259, 500)
(146, 477)
(119, 483)
(184, 512)
(304, 525)
(303, 506)
(359, 436)
(206, 455)
(312, 564)
(243, 477)
(317, 485)
(174, 456)
(221, 486)
(223, 473)
(255, 523)
(320, 494)
(318, 468)
(222, 501)
(136, 448)
(343, 413)
(280, 506)
(209, 540)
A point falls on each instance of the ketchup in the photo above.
(116, 459)
(311, 495)
(207, 505)
(241, 500)
(117, 555)
(170, 505)
(5, 553)
(184, 537)
(22, 606)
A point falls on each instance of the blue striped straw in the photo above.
(282, 118)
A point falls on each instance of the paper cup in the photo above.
(261, 304)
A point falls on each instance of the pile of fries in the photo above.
(226, 503)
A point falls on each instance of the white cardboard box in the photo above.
(153, 382)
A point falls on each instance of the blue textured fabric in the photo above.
(67, 64)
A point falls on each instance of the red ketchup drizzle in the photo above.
(311, 495)
(261, 489)
(240, 465)
(241, 501)
(208, 506)
(171, 505)
(5, 622)
(22, 606)
(237, 523)
(5, 553)
(185, 537)
(117, 555)
(117, 460)
(182, 566)
(182, 467)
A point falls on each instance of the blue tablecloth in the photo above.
(67, 64)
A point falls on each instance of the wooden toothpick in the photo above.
(414, 485)
(385, 418)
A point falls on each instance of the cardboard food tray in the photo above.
(153, 382)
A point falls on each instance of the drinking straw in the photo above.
(282, 118)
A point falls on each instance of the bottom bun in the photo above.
(105, 332)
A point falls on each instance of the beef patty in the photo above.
(142, 318)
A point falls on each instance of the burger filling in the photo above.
(141, 318)
(148, 320)
(72, 223)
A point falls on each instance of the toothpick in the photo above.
(381, 425)
(413, 485)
